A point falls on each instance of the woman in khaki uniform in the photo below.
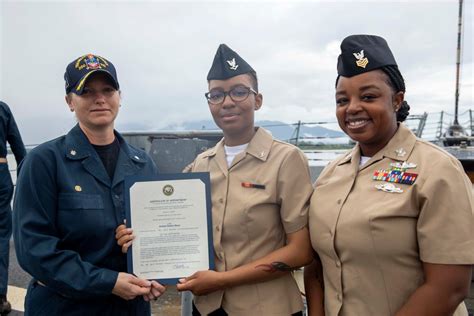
(391, 221)
(260, 193)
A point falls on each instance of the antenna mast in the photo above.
(458, 63)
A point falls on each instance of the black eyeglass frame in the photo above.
(227, 93)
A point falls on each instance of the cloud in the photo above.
(163, 51)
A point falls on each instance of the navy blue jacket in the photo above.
(9, 133)
(66, 210)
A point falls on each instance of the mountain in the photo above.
(278, 129)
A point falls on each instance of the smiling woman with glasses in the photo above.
(260, 193)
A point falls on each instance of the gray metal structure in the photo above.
(173, 150)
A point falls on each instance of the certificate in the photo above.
(170, 215)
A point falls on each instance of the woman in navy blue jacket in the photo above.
(70, 199)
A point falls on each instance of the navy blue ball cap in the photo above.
(81, 68)
(227, 64)
(363, 53)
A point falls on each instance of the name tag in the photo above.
(253, 185)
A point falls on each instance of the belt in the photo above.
(3, 160)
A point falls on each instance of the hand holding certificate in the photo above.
(170, 215)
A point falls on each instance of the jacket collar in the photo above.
(398, 148)
(78, 148)
(259, 145)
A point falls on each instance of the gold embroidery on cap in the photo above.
(361, 61)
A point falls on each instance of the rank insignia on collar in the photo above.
(361, 60)
(388, 187)
(232, 64)
(403, 166)
(400, 152)
(395, 176)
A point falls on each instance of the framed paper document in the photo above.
(170, 215)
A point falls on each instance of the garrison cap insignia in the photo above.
(361, 60)
(78, 188)
(388, 187)
(232, 64)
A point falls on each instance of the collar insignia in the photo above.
(400, 152)
(233, 65)
(361, 61)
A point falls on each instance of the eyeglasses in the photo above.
(237, 94)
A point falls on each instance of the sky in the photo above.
(163, 50)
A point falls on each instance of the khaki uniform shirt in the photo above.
(372, 243)
(251, 222)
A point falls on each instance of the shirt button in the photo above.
(338, 263)
(339, 298)
(339, 201)
(221, 255)
(217, 228)
(221, 200)
(116, 196)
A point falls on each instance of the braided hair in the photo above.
(397, 83)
